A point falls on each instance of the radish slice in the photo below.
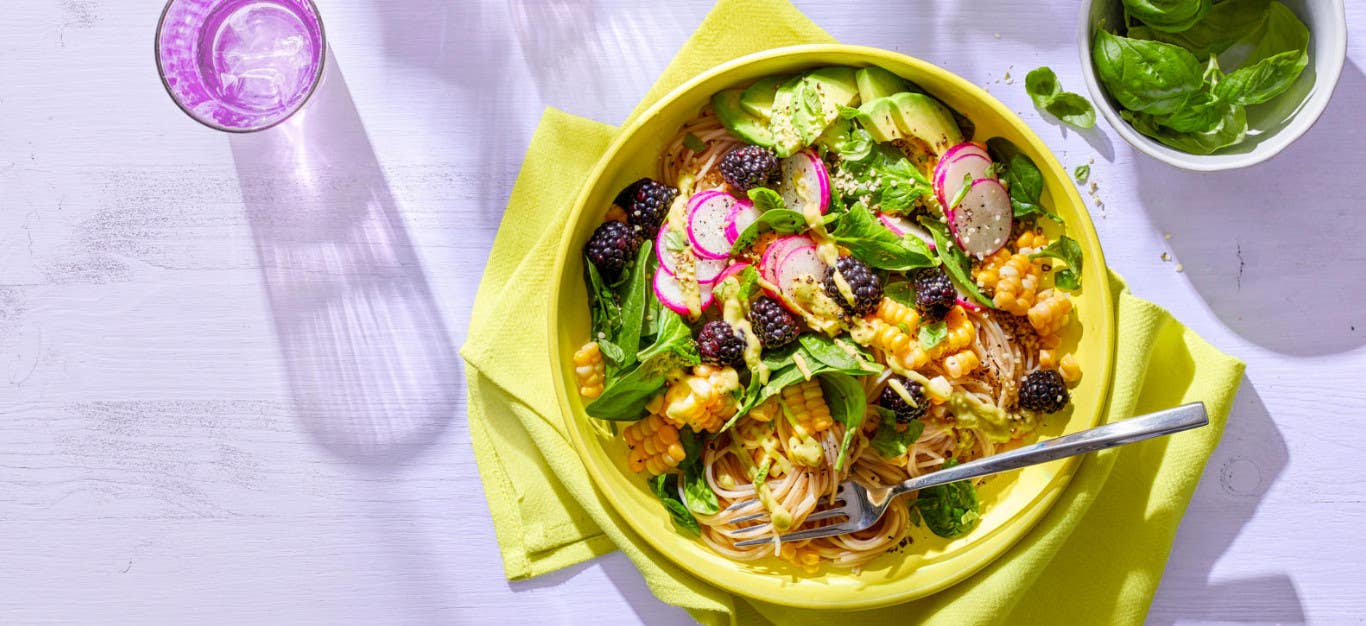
(707, 269)
(707, 213)
(670, 293)
(739, 219)
(967, 148)
(950, 174)
(968, 304)
(667, 260)
(981, 222)
(804, 182)
(730, 271)
(777, 251)
(798, 263)
(902, 227)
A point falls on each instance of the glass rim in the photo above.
(317, 75)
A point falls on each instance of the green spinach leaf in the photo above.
(876, 245)
(635, 291)
(824, 349)
(1068, 251)
(700, 498)
(1231, 129)
(949, 510)
(1226, 23)
(1023, 179)
(847, 404)
(665, 487)
(890, 442)
(1146, 76)
(694, 143)
(900, 291)
(932, 333)
(624, 399)
(1042, 84)
(766, 199)
(782, 221)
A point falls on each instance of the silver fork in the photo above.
(863, 506)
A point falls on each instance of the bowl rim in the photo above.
(1326, 80)
(976, 556)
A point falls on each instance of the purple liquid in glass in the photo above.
(240, 65)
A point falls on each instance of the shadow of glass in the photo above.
(1263, 244)
(1250, 458)
(371, 370)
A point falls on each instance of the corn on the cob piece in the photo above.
(961, 333)
(961, 364)
(1031, 241)
(654, 445)
(988, 271)
(898, 314)
(1050, 313)
(806, 402)
(702, 399)
(1018, 284)
(805, 557)
(589, 369)
(1069, 368)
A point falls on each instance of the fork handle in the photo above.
(1166, 422)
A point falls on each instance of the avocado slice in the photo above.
(804, 106)
(738, 121)
(875, 82)
(757, 99)
(911, 116)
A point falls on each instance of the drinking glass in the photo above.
(240, 65)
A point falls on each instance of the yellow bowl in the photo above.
(1011, 503)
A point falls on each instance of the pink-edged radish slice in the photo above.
(776, 251)
(951, 175)
(670, 294)
(981, 222)
(707, 212)
(803, 182)
(965, 149)
(902, 227)
(730, 271)
(799, 263)
(967, 303)
(739, 219)
(707, 269)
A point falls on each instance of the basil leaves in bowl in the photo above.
(1212, 84)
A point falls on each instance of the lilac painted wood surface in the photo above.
(198, 422)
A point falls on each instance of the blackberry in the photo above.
(934, 293)
(865, 286)
(772, 323)
(1043, 391)
(892, 400)
(612, 246)
(718, 343)
(748, 167)
(646, 202)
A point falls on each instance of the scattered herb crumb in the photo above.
(694, 143)
(1180, 267)
(1167, 237)
(1166, 258)
(1082, 173)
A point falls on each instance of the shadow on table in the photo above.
(370, 367)
(1250, 458)
(1274, 248)
(627, 580)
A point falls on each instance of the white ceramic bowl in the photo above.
(1270, 128)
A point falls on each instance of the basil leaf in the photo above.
(697, 493)
(1042, 84)
(694, 143)
(949, 510)
(1146, 76)
(1264, 80)
(783, 221)
(1068, 251)
(1226, 23)
(612, 351)
(1082, 173)
(824, 349)
(1171, 16)
(931, 334)
(606, 311)
(1231, 129)
(1072, 109)
(955, 261)
(871, 242)
(890, 442)
(1201, 113)
(766, 199)
(635, 293)
(847, 403)
(848, 113)
(665, 487)
(674, 343)
(1023, 179)
(624, 399)
(962, 191)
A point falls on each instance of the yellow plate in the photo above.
(1011, 503)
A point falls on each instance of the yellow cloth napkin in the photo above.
(1096, 557)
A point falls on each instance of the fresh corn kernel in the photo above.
(806, 557)
(1050, 313)
(900, 348)
(1069, 368)
(589, 369)
(961, 364)
(615, 214)
(1048, 358)
(654, 444)
(898, 314)
(988, 271)
(1031, 241)
(765, 411)
(806, 402)
(961, 333)
(1017, 287)
(702, 400)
